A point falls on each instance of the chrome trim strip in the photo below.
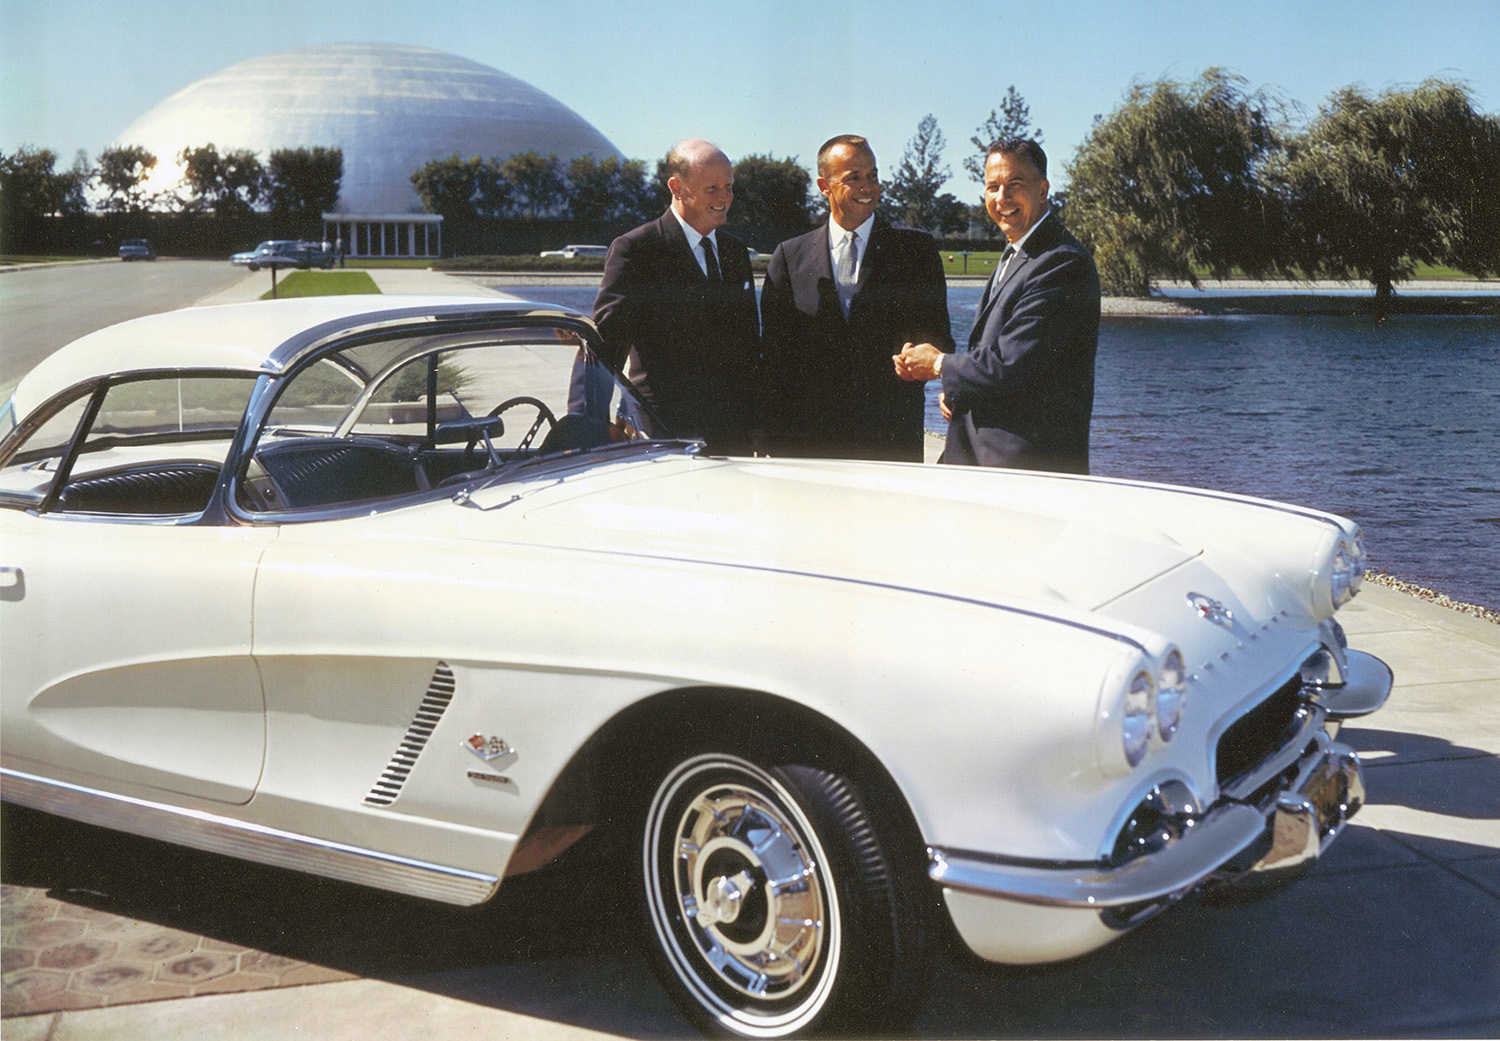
(246, 841)
(1200, 493)
(994, 605)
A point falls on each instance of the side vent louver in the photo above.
(434, 704)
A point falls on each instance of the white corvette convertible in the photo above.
(345, 585)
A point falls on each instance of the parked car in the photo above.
(136, 249)
(340, 584)
(286, 253)
(577, 251)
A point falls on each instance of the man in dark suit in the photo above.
(837, 304)
(676, 307)
(1023, 394)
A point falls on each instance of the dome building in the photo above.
(390, 108)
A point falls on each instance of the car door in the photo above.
(125, 626)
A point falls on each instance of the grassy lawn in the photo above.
(978, 264)
(14, 258)
(416, 262)
(322, 283)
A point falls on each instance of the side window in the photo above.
(156, 446)
(316, 399)
(27, 476)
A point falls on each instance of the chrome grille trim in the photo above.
(429, 713)
(1281, 758)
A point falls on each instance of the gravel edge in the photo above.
(1432, 596)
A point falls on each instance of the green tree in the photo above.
(635, 198)
(229, 184)
(950, 216)
(31, 190)
(1381, 183)
(537, 181)
(122, 172)
(494, 195)
(449, 186)
(770, 199)
(303, 183)
(608, 189)
(1172, 180)
(1011, 119)
(912, 194)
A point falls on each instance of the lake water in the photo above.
(1396, 426)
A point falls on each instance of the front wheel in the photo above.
(774, 906)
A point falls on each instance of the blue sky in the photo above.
(771, 77)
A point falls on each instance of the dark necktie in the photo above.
(989, 290)
(708, 256)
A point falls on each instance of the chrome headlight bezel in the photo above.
(1342, 574)
(1141, 708)
(1171, 695)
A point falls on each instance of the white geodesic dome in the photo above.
(390, 108)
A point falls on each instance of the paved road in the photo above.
(46, 306)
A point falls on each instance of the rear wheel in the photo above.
(773, 904)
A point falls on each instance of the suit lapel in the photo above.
(1036, 243)
(869, 264)
(818, 264)
(683, 250)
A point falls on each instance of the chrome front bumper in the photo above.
(1270, 824)
(1300, 823)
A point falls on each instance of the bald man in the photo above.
(677, 307)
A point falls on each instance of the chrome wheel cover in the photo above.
(740, 896)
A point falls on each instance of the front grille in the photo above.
(1260, 732)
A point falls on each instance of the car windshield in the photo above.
(409, 414)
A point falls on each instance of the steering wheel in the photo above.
(543, 413)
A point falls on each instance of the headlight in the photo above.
(1345, 571)
(1143, 702)
(1137, 720)
(1170, 696)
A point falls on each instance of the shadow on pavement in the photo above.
(1386, 937)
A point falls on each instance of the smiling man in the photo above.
(1023, 394)
(837, 304)
(676, 307)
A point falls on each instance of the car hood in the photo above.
(983, 535)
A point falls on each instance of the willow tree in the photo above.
(1379, 184)
(1170, 183)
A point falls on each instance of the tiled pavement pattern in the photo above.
(60, 956)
